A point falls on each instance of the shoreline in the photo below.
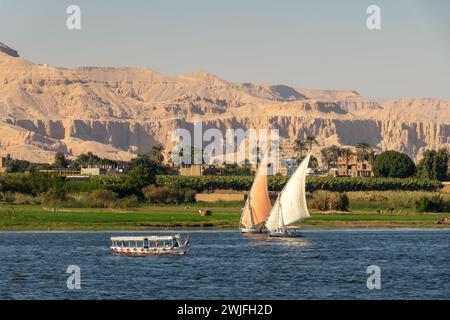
(328, 226)
(230, 230)
(160, 218)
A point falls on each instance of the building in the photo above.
(93, 171)
(286, 167)
(191, 170)
(353, 167)
(62, 172)
(101, 169)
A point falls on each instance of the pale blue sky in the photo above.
(315, 44)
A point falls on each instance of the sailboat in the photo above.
(258, 205)
(290, 206)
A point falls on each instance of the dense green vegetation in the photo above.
(387, 201)
(393, 164)
(435, 203)
(276, 183)
(150, 181)
(230, 170)
(434, 165)
(328, 201)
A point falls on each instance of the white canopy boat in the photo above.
(258, 205)
(290, 206)
(150, 245)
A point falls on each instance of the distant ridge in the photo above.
(119, 112)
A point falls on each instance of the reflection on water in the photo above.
(326, 264)
(262, 239)
(292, 242)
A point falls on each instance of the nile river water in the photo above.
(324, 264)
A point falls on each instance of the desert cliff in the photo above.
(119, 112)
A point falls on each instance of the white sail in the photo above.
(290, 206)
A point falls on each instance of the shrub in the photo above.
(102, 198)
(155, 194)
(21, 198)
(26, 183)
(189, 196)
(127, 202)
(83, 186)
(434, 203)
(326, 201)
(393, 164)
(9, 197)
(343, 202)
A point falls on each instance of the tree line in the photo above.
(387, 164)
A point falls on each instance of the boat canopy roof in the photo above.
(145, 238)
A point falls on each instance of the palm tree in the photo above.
(363, 151)
(170, 160)
(313, 163)
(335, 151)
(310, 141)
(371, 156)
(156, 154)
(346, 153)
(330, 156)
(300, 147)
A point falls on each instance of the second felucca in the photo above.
(258, 205)
(290, 206)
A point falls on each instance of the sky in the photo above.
(322, 44)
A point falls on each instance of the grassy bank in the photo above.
(397, 201)
(33, 217)
(38, 218)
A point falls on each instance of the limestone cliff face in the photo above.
(119, 112)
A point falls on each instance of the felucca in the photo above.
(258, 205)
(290, 206)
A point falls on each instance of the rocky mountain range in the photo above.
(119, 112)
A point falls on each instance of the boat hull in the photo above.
(253, 230)
(287, 233)
(150, 251)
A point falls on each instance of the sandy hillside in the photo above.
(119, 112)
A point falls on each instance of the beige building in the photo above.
(101, 169)
(191, 170)
(353, 167)
(93, 171)
(62, 172)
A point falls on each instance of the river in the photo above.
(323, 264)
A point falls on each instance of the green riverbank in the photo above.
(24, 217)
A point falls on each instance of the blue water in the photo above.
(324, 264)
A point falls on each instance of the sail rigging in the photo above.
(290, 206)
(258, 205)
